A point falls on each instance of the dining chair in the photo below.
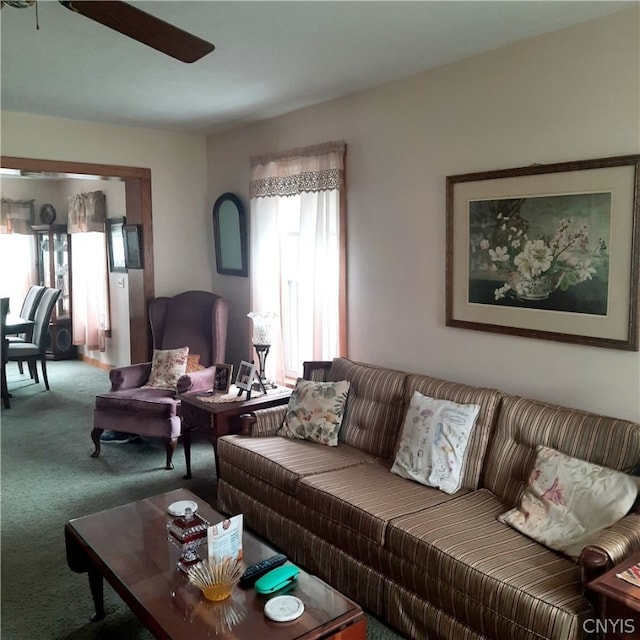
(28, 312)
(31, 352)
(4, 310)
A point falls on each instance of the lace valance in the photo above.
(16, 216)
(309, 169)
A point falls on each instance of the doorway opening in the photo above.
(137, 182)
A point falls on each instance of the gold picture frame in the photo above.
(546, 251)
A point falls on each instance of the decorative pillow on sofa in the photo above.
(167, 366)
(315, 411)
(434, 441)
(567, 501)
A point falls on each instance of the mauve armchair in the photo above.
(194, 319)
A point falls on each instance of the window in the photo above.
(298, 257)
(17, 251)
(91, 321)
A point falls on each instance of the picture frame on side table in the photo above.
(115, 244)
(222, 382)
(246, 374)
(547, 251)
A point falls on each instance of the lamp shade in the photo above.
(262, 321)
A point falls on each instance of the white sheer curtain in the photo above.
(17, 251)
(87, 214)
(297, 263)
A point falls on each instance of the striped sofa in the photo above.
(431, 565)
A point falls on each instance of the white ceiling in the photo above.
(270, 57)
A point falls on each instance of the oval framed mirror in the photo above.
(230, 236)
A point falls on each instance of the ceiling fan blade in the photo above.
(143, 27)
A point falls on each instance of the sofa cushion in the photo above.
(434, 442)
(366, 498)
(375, 408)
(567, 501)
(489, 402)
(281, 462)
(157, 403)
(458, 556)
(524, 424)
(315, 411)
(307, 547)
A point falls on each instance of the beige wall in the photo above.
(570, 95)
(183, 253)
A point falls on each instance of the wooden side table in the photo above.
(619, 603)
(215, 419)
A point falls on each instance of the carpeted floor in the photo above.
(48, 477)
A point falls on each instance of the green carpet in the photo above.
(48, 478)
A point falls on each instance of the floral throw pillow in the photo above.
(568, 501)
(434, 442)
(315, 411)
(167, 366)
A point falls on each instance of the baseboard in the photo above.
(95, 363)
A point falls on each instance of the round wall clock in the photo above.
(47, 213)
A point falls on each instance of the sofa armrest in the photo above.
(612, 546)
(130, 377)
(264, 422)
(316, 370)
(201, 380)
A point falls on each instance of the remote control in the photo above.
(257, 570)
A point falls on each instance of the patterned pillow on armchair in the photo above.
(167, 367)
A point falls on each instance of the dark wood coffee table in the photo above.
(128, 546)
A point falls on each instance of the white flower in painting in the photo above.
(522, 265)
(499, 255)
(536, 258)
(537, 267)
(501, 292)
(585, 271)
(484, 244)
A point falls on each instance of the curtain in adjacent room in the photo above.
(90, 310)
(297, 254)
(17, 251)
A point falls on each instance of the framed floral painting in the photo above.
(547, 251)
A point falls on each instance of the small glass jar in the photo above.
(187, 533)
